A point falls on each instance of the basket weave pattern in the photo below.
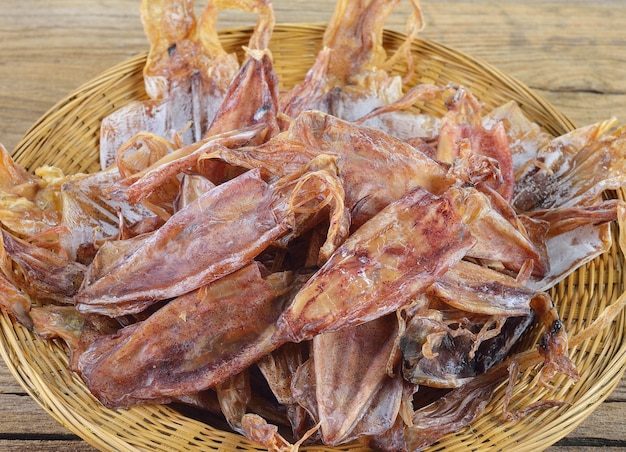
(67, 137)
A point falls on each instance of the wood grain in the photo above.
(571, 52)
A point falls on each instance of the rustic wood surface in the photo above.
(573, 52)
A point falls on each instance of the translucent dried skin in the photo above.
(237, 404)
(283, 154)
(186, 77)
(449, 348)
(258, 430)
(202, 340)
(374, 168)
(375, 100)
(576, 235)
(562, 220)
(279, 368)
(217, 234)
(142, 184)
(574, 170)
(501, 236)
(392, 118)
(355, 33)
(252, 96)
(352, 46)
(78, 330)
(204, 400)
(392, 257)
(15, 302)
(348, 78)
(16, 180)
(234, 395)
(251, 99)
(39, 272)
(306, 95)
(30, 217)
(64, 213)
(525, 137)
(314, 187)
(29, 205)
(451, 412)
(137, 156)
(354, 394)
(121, 125)
(371, 92)
(182, 47)
(220, 232)
(480, 290)
(187, 74)
(89, 216)
(192, 187)
(59, 321)
(463, 126)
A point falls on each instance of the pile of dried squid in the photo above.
(317, 258)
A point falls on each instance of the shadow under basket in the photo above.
(67, 137)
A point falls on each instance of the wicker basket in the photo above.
(67, 136)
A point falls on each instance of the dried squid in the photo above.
(232, 337)
(350, 393)
(379, 267)
(214, 235)
(375, 168)
(26, 207)
(382, 254)
(186, 76)
(350, 76)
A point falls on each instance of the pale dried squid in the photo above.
(186, 76)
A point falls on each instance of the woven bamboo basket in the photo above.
(67, 137)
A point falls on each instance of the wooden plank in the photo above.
(82, 45)
(619, 394)
(586, 448)
(607, 423)
(544, 50)
(603, 428)
(21, 415)
(8, 384)
(585, 108)
(45, 445)
(530, 38)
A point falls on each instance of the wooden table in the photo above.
(573, 52)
